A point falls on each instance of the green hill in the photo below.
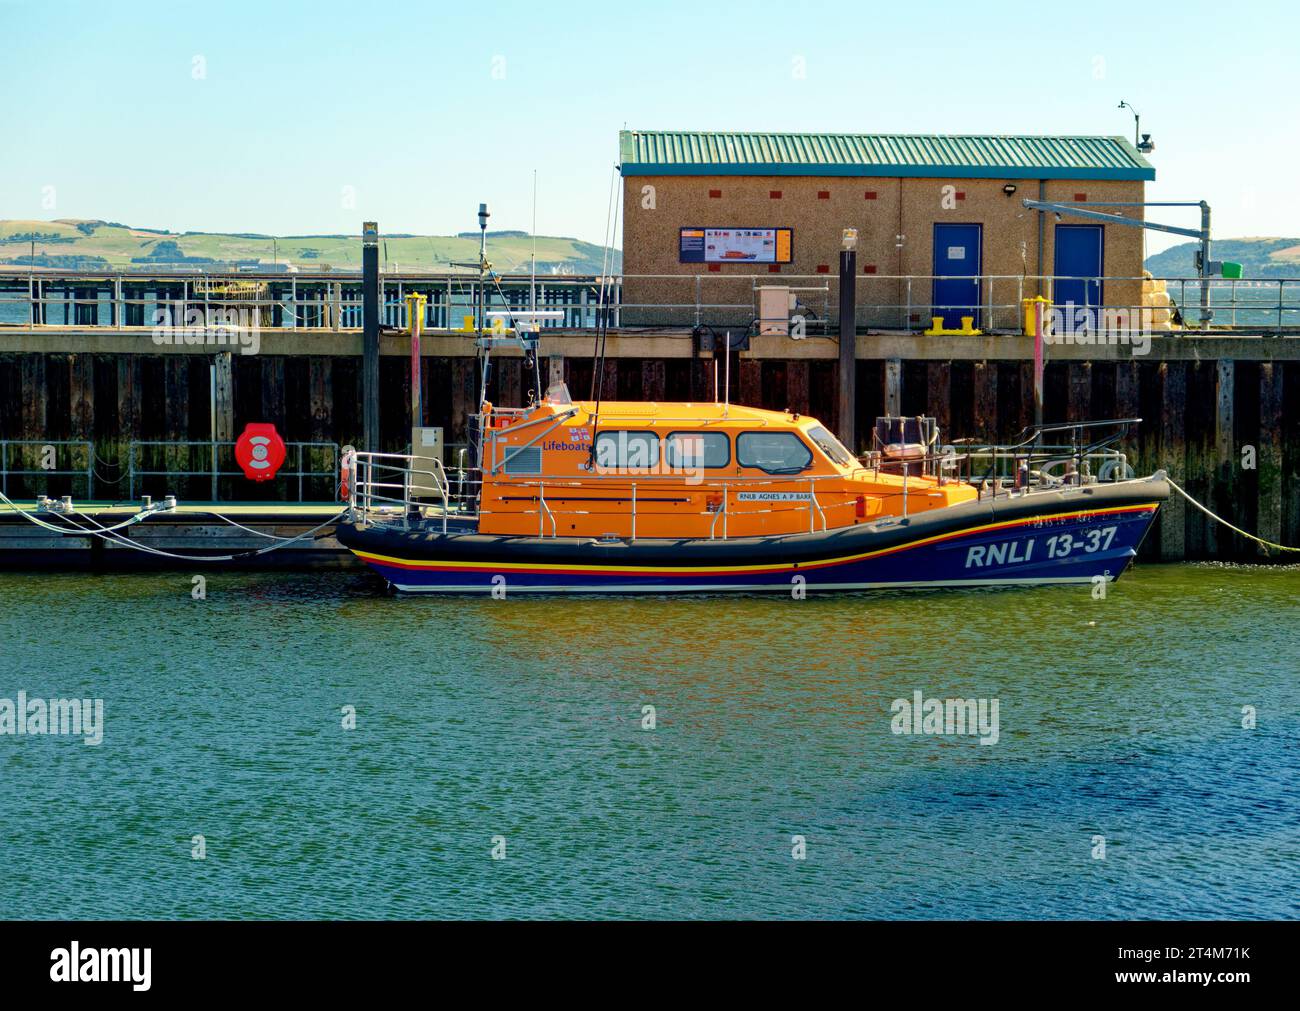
(105, 245)
(1259, 257)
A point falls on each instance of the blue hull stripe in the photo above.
(1075, 548)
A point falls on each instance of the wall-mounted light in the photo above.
(1009, 189)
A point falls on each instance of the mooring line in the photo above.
(126, 542)
(137, 518)
(1220, 519)
(110, 534)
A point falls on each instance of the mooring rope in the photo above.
(137, 518)
(128, 543)
(1220, 519)
(110, 534)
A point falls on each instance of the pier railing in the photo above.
(16, 455)
(907, 302)
(296, 452)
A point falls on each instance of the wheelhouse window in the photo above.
(830, 445)
(773, 452)
(627, 451)
(695, 450)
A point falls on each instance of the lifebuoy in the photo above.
(259, 451)
(346, 467)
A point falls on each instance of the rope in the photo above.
(127, 542)
(49, 526)
(1220, 519)
(110, 534)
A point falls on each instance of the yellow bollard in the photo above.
(967, 328)
(1028, 305)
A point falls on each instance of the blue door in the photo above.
(1078, 273)
(957, 255)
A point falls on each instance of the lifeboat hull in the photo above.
(1071, 536)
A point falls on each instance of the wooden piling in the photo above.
(796, 385)
(1269, 457)
(986, 401)
(1173, 405)
(893, 386)
(939, 386)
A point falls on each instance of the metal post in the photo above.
(415, 316)
(370, 334)
(212, 421)
(1206, 314)
(1038, 363)
(848, 348)
(1042, 233)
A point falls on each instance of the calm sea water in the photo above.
(523, 719)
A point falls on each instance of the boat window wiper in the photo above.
(787, 470)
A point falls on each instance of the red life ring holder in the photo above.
(259, 451)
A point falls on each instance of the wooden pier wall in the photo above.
(1201, 413)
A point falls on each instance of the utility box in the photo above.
(774, 305)
(426, 459)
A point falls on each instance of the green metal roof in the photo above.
(653, 152)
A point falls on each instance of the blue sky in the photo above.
(268, 116)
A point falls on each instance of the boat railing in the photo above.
(1041, 456)
(387, 487)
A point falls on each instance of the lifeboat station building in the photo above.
(942, 231)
